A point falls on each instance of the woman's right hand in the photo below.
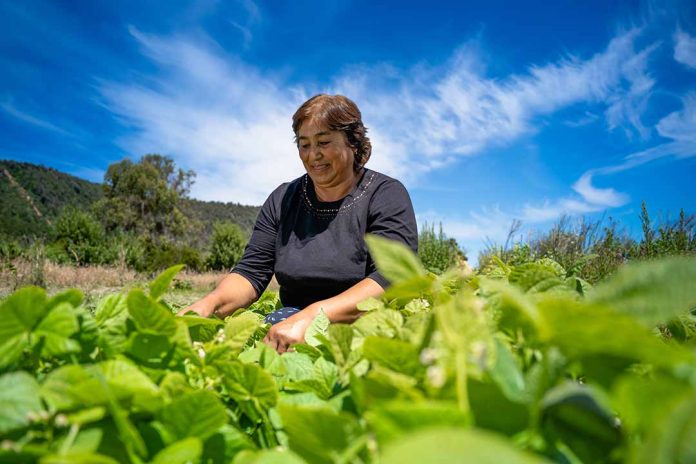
(204, 307)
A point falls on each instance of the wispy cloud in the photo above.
(9, 108)
(231, 122)
(685, 49)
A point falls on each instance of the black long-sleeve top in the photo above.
(317, 249)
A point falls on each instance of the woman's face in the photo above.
(326, 155)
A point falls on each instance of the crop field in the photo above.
(525, 363)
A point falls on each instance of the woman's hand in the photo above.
(204, 307)
(290, 331)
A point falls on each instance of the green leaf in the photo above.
(78, 458)
(149, 315)
(652, 291)
(202, 329)
(396, 355)
(159, 286)
(506, 373)
(188, 450)
(671, 438)
(394, 260)
(574, 414)
(20, 313)
(455, 445)
(580, 330)
(319, 325)
(19, 401)
(251, 387)
(317, 434)
(225, 444)
(394, 419)
(196, 414)
(268, 457)
(238, 329)
(385, 323)
(370, 304)
(321, 382)
(55, 329)
(111, 315)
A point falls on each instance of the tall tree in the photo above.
(145, 197)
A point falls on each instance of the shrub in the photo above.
(227, 246)
(80, 239)
(436, 251)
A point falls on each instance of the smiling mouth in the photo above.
(319, 167)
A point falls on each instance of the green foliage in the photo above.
(78, 238)
(144, 197)
(226, 247)
(436, 251)
(523, 362)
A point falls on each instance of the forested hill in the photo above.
(32, 196)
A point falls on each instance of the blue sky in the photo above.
(487, 111)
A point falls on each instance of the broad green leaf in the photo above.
(149, 315)
(251, 387)
(528, 275)
(188, 450)
(580, 329)
(127, 382)
(70, 387)
(225, 444)
(320, 325)
(643, 403)
(19, 401)
(507, 374)
(202, 329)
(394, 419)
(324, 376)
(651, 291)
(196, 414)
(111, 315)
(268, 457)
(298, 366)
(238, 330)
(575, 414)
(515, 309)
(55, 329)
(450, 445)
(671, 438)
(78, 458)
(87, 416)
(317, 434)
(72, 296)
(386, 323)
(20, 313)
(393, 354)
(159, 286)
(147, 348)
(370, 304)
(394, 260)
(340, 342)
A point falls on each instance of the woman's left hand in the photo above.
(290, 331)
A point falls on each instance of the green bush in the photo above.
(227, 246)
(78, 238)
(150, 256)
(436, 251)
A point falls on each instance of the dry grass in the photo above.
(97, 281)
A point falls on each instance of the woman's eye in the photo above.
(304, 146)
(324, 142)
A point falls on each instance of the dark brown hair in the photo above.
(339, 113)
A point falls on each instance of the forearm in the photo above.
(343, 307)
(233, 292)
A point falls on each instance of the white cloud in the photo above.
(230, 122)
(9, 108)
(685, 49)
(606, 198)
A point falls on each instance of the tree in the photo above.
(145, 197)
(227, 245)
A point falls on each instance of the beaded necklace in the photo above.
(324, 212)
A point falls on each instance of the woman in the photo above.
(310, 232)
